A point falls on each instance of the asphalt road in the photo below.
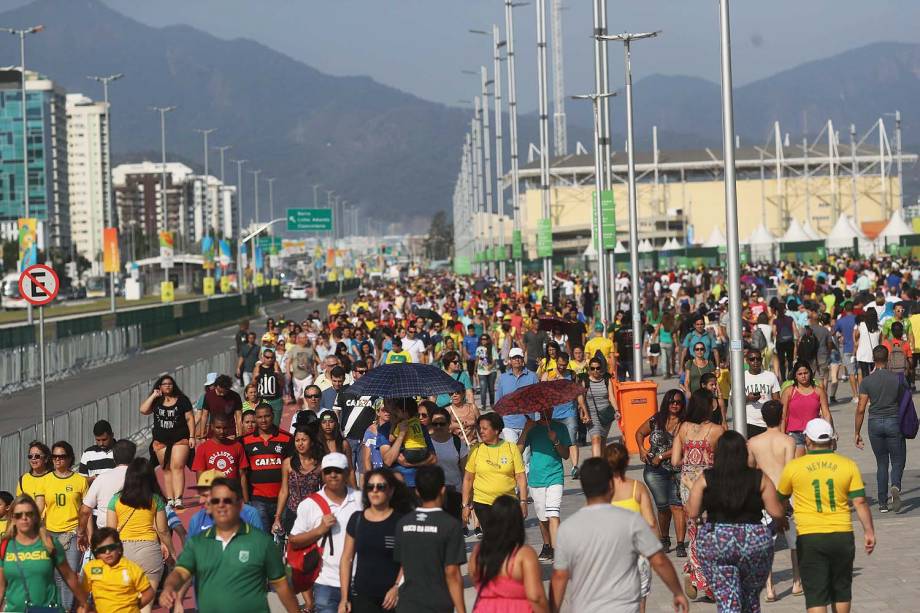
(23, 408)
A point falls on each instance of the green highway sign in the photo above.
(267, 242)
(309, 220)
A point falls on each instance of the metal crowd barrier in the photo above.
(19, 367)
(121, 409)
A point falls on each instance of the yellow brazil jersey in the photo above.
(334, 308)
(4, 523)
(915, 330)
(415, 436)
(136, 524)
(115, 589)
(602, 343)
(63, 497)
(819, 483)
(495, 467)
(398, 357)
(30, 484)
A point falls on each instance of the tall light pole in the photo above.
(602, 84)
(162, 110)
(271, 201)
(544, 143)
(736, 356)
(22, 33)
(512, 119)
(109, 208)
(240, 273)
(598, 228)
(223, 182)
(206, 229)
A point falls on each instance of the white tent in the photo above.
(590, 253)
(645, 246)
(895, 229)
(671, 245)
(810, 232)
(619, 248)
(842, 234)
(716, 238)
(795, 233)
(761, 236)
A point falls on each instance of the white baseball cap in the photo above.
(819, 430)
(211, 378)
(335, 460)
(516, 352)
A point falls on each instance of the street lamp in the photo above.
(162, 110)
(110, 211)
(271, 200)
(206, 227)
(22, 33)
(240, 273)
(598, 228)
(627, 39)
(512, 116)
(544, 144)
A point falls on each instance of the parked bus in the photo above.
(9, 293)
(97, 287)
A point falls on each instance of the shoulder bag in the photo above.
(30, 608)
(307, 562)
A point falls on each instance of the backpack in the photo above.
(907, 413)
(758, 340)
(808, 347)
(307, 562)
(897, 359)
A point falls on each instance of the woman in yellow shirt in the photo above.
(546, 371)
(138, 512)
(39, 468)
(493, 469)
(61, 495)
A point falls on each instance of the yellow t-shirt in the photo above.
(548, 367)
(915, 330)
(136, 524)
(725, 383)
(495, 467)
(30, 484)
(63, 497)
(415, 437)
(335, 308)
(819, 483)
(399, 357)
(4, 523)
(598, 342)
(115, 589)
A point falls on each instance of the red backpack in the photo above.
(307, 562)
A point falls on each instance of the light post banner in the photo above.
(28, 242)
(544, 238)
(111, 257)
(167, 249)
(258, 259)
(207, 252)
(225, 256)
(517, 245)
(462, 265)
(609, 218)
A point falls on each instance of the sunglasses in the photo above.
(361, 371)
(98, 551)
(594, 368)
(23, 514)
(439, 424)
(58, 456)
(313, 396)
(699, 349)
(422, 415)
(36, 456)
(219, 501)
(755, 359)
(333, 471)
(677, 401)
(377, 487)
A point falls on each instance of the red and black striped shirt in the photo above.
(265, 458)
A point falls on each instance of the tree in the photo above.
(440, 242)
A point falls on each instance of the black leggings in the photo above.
(785, 350)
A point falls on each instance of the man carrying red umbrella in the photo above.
(511, 380)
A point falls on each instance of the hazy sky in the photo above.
(421, 46)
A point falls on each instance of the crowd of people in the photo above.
(363, 503)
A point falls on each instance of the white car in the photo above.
(298, 292)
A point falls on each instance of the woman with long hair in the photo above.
(693, 453)
(370, 535)
(330, 435)
(301, 475)
(802, 402)
(27, 577)
(659, 473)
(696, 367)
(735, 547)
(666, 340)
(173, 424)
(506, 570)
(39, 467)
(486, 370)
(546, 369)
(710, 382)
(463, 418)
(598, 405)
(632, 495)
(61, 498)
(787, 338)
(138, 512)
(341, 352)
(866, 337)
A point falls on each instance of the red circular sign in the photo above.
(39, 285)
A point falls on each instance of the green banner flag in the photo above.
(517, 246)
(462, 265)
(544, 238)
(608, 217)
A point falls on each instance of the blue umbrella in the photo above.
(405, 381)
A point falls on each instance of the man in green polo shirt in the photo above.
(231, 561)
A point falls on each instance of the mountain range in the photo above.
(393, 154)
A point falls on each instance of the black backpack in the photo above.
(808, 347)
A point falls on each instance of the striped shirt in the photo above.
(96, 461)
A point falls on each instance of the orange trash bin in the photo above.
(637, 401)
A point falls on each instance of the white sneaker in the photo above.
(895, 498)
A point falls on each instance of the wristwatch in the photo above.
(468, 506)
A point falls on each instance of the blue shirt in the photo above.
(408, 472)
(470, 342)
(566, 409)
(463, 377)
(327, 401)
(845, 327)
(201, 520)
(695, 337)
(508, 383)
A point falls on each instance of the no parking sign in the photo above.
(39, 285)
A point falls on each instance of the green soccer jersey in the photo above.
(37, 567)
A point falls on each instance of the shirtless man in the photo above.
(770, 451)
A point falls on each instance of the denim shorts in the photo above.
(798, 437)
(664, 486)
(571, 425)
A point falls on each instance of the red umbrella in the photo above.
(549, 324)
(542, 397)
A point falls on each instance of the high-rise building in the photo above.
(87, 176)
(48, 176)
(222, 207)
(139, 205)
